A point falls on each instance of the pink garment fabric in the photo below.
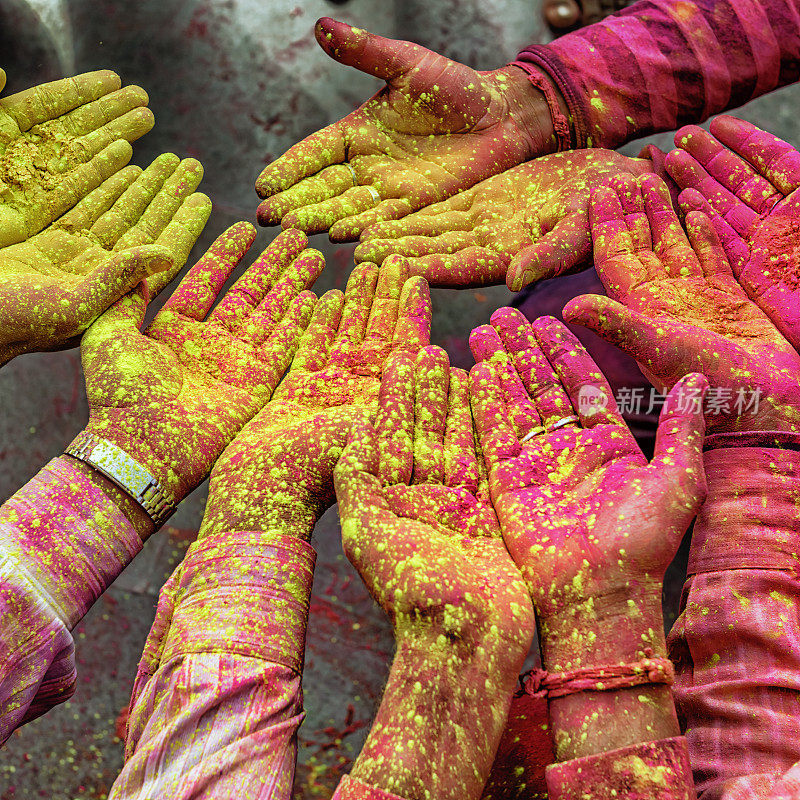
(645, 771)
(659, 64)
(736, 645)
(62, 542)
(217, 700)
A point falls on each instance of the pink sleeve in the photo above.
(62, 543)
(736, 644)
(659, 64)
(646, 771)
(217, 700)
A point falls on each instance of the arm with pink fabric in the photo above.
(67, 534)
(675, 305)
(217, 700)
(592, 527)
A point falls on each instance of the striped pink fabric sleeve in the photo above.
(217, 700)
(62, 543)
(660, 64)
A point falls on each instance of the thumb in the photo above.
(384, 58)
(678, 452)
(118, 275)
(2, 80)
(356, 474)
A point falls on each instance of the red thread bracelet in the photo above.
(560, 122)
(540, 683)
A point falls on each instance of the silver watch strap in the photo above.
(125, 472)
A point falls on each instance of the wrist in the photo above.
(619, 627)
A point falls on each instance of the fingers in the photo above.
(356, 474)
(245, 295)
(775, 159)
(689, 173)
(665, 228)
(678, 452)
(350, 229)
(198, 290)
(110, 108)
(438, 219)
(707, 246)
(558, 252)
(318, 217)
(50, 100)
(314, 348)
(306, 158)
(460, 458)
(129, 207)
(120, 273)
(587, 388)
(375, 55)
(736, 249)
(611, 237)
(2, 80)
(520, 340)
(416, 246)
(358, 297)
(471, 267)
(77, 184)
(129, 127)
(632, 202)
(153, 221)
(413, 329)
(497, 437)
(386, 303)
(395, 420)
(431, 385)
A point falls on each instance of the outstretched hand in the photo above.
(751, 192)
(419, 528)
(277, 474)
(526, 224)
(675, 306)
(136, 225)
(173, 397)
(435, 129)
(60, 140)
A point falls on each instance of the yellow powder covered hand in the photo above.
(173, 397)
(136, 225)
(527, 224)
(60, 140)
(676, 307)
(277, 475)
(418, 525)
(436, 128)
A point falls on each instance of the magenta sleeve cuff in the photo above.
(751, 517)
(646, 771)
(353, 789)
(241, 594)
(69, 539)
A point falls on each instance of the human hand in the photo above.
(173, 397)
(436, 128)
(753, 200)
(277, 474)
(134, 226)
(526, 224)
(675, 306)
(590, 524)
(419, 528)
(61, 140)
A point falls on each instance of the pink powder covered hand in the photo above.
(676, 307)
(277, 474)
(436, 128)
(418, 526)
(61, 140)
(591, 525)
(748, 182)
(526, 224)
(137, 225)
(173, 397)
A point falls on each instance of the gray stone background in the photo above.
(232, 83)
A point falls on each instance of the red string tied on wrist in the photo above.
(605, 678)
(560, 122)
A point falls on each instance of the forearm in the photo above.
(618, 629)
(659, 64)
(224, 656)
(441, 717)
